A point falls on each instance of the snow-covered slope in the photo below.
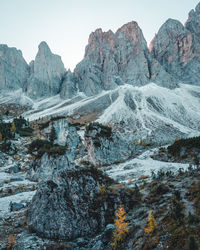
(144, 111)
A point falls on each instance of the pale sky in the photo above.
(66, 24)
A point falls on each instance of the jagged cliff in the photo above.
(14, 70)
(46, 75)
(116, 59)
(177, 48)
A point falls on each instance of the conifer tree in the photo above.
(151, 224)
(102, 189)
(52, 136)
(11, 241)
(121, 227)
(13, 128)
(1, 137)
(192, 243)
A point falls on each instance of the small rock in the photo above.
(14, 206)
(14, 169)
(16, 179)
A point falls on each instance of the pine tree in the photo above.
(11, 241)
(52, 136)
(121, 227)
(102, 189)
(13, 128)
(151, 224)
(192, 243)
(1, 137)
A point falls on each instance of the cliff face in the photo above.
(177, 48)
(111, 59)
(115, 59)
(14, 70)
(193, 22)
(47, 72)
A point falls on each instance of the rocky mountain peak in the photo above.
(197, 8)
(44, 48)
(97, 39)
(14, 70)
(47, 72)
(130, 31)
(177, 49)
(193, 22)
(172, 27)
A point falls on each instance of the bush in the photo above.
(159, 189)
(56, 150)
(38, 144)
(44, 146)
(5, 130)
(103, 131)
(25, 131)
(188, 143)
(192, 243)
(176, 210)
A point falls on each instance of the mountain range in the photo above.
(153, 90)
(86, 153)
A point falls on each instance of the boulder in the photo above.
(69, 205)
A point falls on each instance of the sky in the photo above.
(66, 24)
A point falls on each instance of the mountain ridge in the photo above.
(112, 76)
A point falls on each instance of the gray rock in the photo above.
(16, 179)
(46, 166)
(104, 146)
(14, 169)
(103, 240)
(47, 73)
(67, 136)
(81, 242)
(88, 75)
(69, 205)
(193, 22)
(14, 70)
(115, 59)
(68, 88)
(14, 206)
(178, 51)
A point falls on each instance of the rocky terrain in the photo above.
(107, 156)
(50, 202)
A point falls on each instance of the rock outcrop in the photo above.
(43, 168)
(68, 89)
(115, 59)
(47, 73)
(14, 70)
(104, 146)
(70, 205)
(178, 51)
(193, 22)
(66, 135)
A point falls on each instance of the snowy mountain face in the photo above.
(141, 92)
(120, 81)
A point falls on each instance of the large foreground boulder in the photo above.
(70, 205)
